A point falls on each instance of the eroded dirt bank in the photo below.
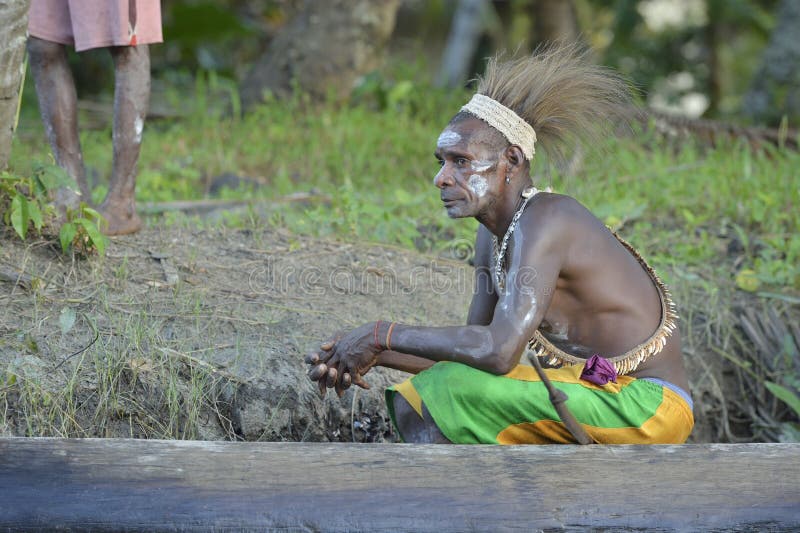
(201, 333)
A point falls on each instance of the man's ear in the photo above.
(514, 155)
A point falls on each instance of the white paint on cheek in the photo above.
(478, 185)
(481, 166)
(448, 138)
(138, 126)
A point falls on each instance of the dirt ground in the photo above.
(189, 333)
(223, 315)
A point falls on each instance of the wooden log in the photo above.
(138, 485)
(211, 204)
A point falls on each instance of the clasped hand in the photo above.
(344, 360)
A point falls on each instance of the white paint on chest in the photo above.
(448, 138)
(559, 331)
(478, 185)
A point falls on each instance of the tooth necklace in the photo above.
(500, 254)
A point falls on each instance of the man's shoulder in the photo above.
(557, 222)
(552, 210)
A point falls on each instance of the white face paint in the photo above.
(448, 138)
(478, 185)
(481, 166)
(138, 126)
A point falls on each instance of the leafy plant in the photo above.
(81, 232)
(25, 203)
(785, 395)
(20, 201)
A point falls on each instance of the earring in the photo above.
(508, 179)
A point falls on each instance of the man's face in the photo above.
(468, 180)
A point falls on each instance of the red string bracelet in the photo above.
(389, 336)
(375, 334)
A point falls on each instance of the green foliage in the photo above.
(22, 201)
(26, 207)
(81, 233)
(723, 214)
(785, 395)
(714, 47)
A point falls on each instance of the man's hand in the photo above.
(344, 360)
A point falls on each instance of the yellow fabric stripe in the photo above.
(567, 374)
(542, 432)
(670, 424)
(407, 391)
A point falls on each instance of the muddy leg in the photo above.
(131, 98)
(413, 428)
(55, 89)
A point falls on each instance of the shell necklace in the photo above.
(500, 251)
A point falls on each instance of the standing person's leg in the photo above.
(131, 98)
(55, 89)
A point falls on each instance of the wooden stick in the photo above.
(200, 206)
(15, 277)
(559, 398)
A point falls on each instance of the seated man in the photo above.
(549, 276)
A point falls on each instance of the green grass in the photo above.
(116, 382)
(679, 202)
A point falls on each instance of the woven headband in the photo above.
(504, 120)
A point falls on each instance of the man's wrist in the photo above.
(376, 335)
(387, 342)
(382, 334)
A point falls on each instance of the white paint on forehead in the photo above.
(448, 138)
(138, 126)
(481, 166)
(478, 185)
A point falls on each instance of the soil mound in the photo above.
(187, 333)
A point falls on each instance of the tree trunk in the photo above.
(555, 21)
(775, 90)
(323, 49)
(13, 34)
(714, 38)
(469, 22)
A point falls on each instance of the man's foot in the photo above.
(121, 217)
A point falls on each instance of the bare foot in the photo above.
(121, 217)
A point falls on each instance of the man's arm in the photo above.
(536, 257)
(484, 298)
(481, 308)
(403, 361)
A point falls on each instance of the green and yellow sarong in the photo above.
(474, 407)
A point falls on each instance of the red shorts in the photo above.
(96, 23)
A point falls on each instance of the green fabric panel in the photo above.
(472, 406)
